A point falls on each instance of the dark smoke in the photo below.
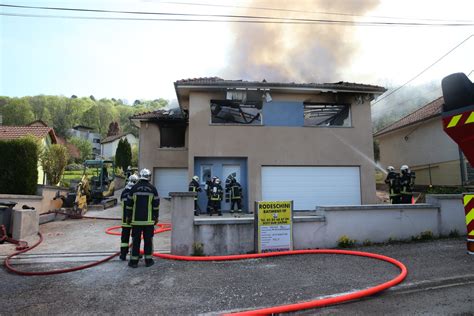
(299, 53)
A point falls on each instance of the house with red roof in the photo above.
(418, 140)
(39, 130)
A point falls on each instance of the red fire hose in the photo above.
(162, 227)
(9, 266)
(311, 304)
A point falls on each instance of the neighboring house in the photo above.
(110, 143)
(311, 143)
(44, 133)
(418, 140)
(88, 134)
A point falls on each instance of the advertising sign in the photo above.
(274, 225)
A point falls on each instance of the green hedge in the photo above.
(18, 166)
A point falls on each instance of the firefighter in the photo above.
(407, 183)
(143, 206)
(195, 187)
(215, 197)
(393, 181)
(126, 228)
(207, 188)
(235, 195)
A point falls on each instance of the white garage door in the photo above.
(169, 180)
(309, 187)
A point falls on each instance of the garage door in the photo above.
(312, 186)
(169, 180)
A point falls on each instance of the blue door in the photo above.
(207, 167)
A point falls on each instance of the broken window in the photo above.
(206, 173)
(324, 114)
(246, 112)
(172, 136)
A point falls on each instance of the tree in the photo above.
(123, 154)
(17, 111)
(134, 156)
(54, 161)
(84, 146)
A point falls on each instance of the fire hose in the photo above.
(162, 227)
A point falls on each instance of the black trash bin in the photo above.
(6, 210)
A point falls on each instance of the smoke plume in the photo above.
(291, 52)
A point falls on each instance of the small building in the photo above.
(418, 140)
(88, 134)
(310, 143)
(110, 143)
(44, 133)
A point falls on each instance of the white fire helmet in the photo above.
(133, 178)
(145, 174)
(218, 180)
(404, 168)
(196, 178)
(390, 169)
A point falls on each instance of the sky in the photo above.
(141, 59)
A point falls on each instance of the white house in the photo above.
(88, 134)
(108, 146)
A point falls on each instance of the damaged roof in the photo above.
(160, 115)
(430, 110)
(219, 82)
(184, 86)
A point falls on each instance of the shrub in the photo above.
(345, 242)
(54, 161)
(85, 148)
(445, 190)
(198, 249)
(123, 154)
(19, 166)
(367, 242)
(426, 235)
(453, 234)
(74, 167)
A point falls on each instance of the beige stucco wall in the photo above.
(274, 146)
(150, 153)
(443, 173)
(421, 147)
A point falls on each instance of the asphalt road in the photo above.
(440, 282)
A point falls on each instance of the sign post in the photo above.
(273, 226)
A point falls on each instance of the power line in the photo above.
(254, 19)
(310, 12)
(424, 70)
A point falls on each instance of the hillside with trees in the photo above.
(63, 113)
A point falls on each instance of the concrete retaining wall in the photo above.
(323, 228)
(452, 217)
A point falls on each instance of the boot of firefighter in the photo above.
(123, 253)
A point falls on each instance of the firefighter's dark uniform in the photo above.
(235, 196)
(215, 197)
(393, 181)
(407, 182)
(195, 187)
(143, 206)
(126, 228)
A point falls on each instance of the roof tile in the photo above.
(14, 132)
(428, 111)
